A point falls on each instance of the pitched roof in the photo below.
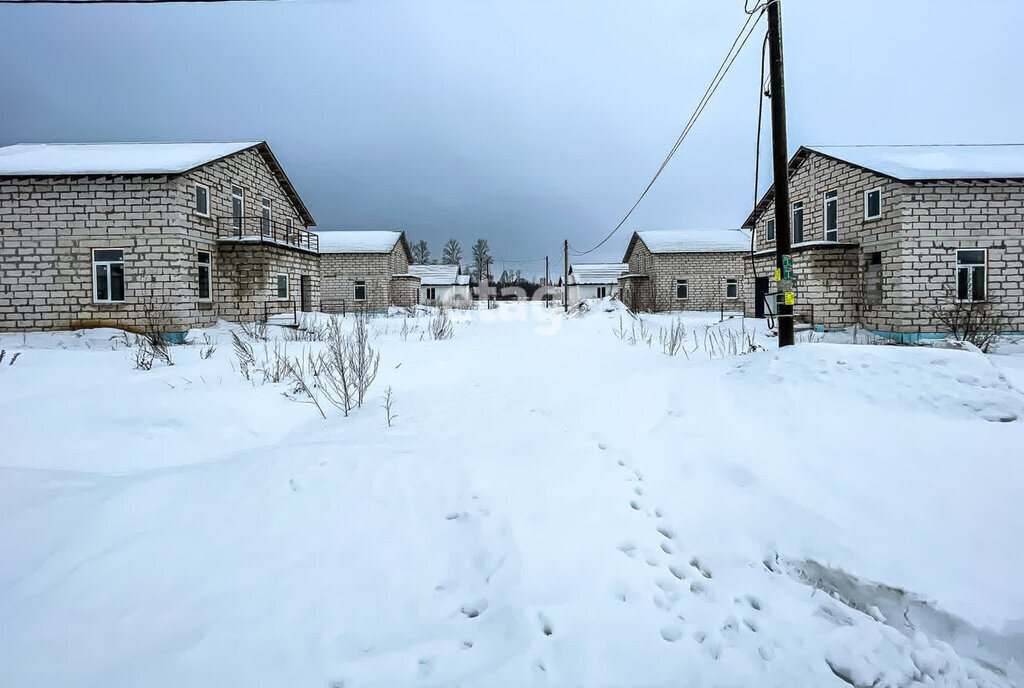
(46, 159)
(436, 274)
(597, 273)
(918, 163)
(914, 163)
(62, 159)
(364, 241)
(692, 241)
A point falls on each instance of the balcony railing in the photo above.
(256, 228)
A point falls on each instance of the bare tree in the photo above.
(482, 259)
(975, 322)
(420, 252)
(452, 254)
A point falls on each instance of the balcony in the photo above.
(256, 228)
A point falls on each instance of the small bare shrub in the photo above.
(257, 331)
(441, 326)
(672, 340)
(301, 373)
(244, 354)
(389, 405)
(975, 322)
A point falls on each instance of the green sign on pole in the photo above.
(787, 267)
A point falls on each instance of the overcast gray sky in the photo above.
(522, 121)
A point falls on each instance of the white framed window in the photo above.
(431, 293)
(107, 275)
(282, 287)
(204, 276)
(971, 274)
(237, 208)
(602, 292)
(873, 204)
(359, 291)
(769, 230)
(289, 226)
(265, 218)
(202, 200)
(798, 222)
(682, 289)
(831, 203)
(732, 289)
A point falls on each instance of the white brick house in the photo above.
(694, 270)
(441, 285)
(594, 280)
(886, 235)
(148, 236)
(365, 271)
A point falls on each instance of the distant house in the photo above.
(365, 271)
(594, 280)
(441, 285)
(885, 236)
(150, 236)
(695, 270)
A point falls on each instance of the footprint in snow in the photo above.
(293, 485)
(474, 609)
(671, 633)
(424, 668)
(545, 624)
(635, 505)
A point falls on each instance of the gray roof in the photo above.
(373, 241)
(695, 240)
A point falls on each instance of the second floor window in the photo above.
(769, 230)
(873, 204)
(288, 228)
(265, 218)
(832, 215)
(202, 200)
(798, 222)
(237, 208)
(681, 289)
(359, 291)
(732, 289)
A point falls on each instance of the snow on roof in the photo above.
(436, 274)
(462, 279)
(597, 273)
(993, 161)
(695, 240)
(28, 159)
(337, 241)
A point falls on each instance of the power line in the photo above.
(753, 17)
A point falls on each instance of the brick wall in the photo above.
(705, 273)
(246, 280)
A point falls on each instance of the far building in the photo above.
(687, 269)
(594, 280)
(365, 271)
(441, 285)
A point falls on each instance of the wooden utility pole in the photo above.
(565, 281)
(547, 273)
(780, 167)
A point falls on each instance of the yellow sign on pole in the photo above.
(778, 274)
(790, 300)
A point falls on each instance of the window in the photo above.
(265, 219)
(769, 230)
(359, 292)
(431, 293)
(832, 215)
(288, 229)
(602, 292)
(237, 208)
(202, 200)
(681, 289)
(970, 274)
(108, 275)
(282, 287)
(873, 204)
(732, 289)
(798, 222)
(203, 275)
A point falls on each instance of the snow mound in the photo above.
(950, 383)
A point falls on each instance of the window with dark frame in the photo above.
(108, 275)
(282, 287)
(682, 289)
(237, 208)
(732, 289)
(203, 275)
(769, 230)
(971, 268)
(872, 204)
(832, 215)
(798, 222)
(359, 291)
(202, 200)
(431, 293)
(602, 292)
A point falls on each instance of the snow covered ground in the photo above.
(558, 503)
